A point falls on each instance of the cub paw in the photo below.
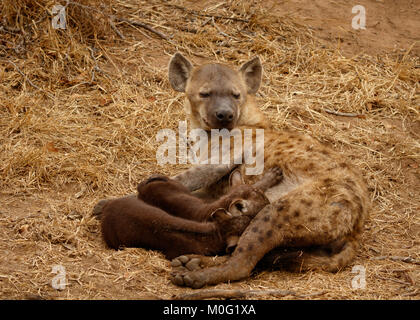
(97, 209)
(275, 174)
(150, 179)
(156, 177)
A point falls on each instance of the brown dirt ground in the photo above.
(390, 25)
(59, 156)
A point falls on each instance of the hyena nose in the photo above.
(224, 115)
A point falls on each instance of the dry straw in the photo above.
(80, 108)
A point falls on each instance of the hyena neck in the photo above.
(251, 116)
(192, 122)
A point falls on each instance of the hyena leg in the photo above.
(282, 224)
(193, 262)
(239, 265)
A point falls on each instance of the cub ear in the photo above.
(179, 72)
(252, 73)
(235, 178)
(220, 215)
(238, 207)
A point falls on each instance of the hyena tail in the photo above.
(328, 259)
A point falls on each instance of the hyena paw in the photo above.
(192, 279)
(186, 271)
(186, 263)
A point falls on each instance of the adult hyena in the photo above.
(316, 213)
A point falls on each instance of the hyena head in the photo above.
(216, 93)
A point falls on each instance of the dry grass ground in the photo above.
(80, 109)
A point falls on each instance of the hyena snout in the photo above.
(221, 110)
(224, 115)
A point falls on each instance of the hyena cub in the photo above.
(165, 216)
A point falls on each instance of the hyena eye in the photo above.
(205, 94)
(236, 95)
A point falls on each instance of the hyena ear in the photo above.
(235, 178)
(179, 72)
(252, 73)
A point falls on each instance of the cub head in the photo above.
(245, 199)
(216, 93)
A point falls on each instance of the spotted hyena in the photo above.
(316, 213)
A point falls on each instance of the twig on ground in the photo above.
(236, 294)
(104, 271)
(207, 15)
(84, 6)
(29, 80)
(411, 293)
(394, 280)
(218, 29)
(112, 24)
(95, 68)
(398, 258)
(112, 19)
(12, 30)
(207, 21)
(190, 30)
(343, 114)
(144, 26)
(9, 29)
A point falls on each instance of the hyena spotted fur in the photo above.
(316, 213)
